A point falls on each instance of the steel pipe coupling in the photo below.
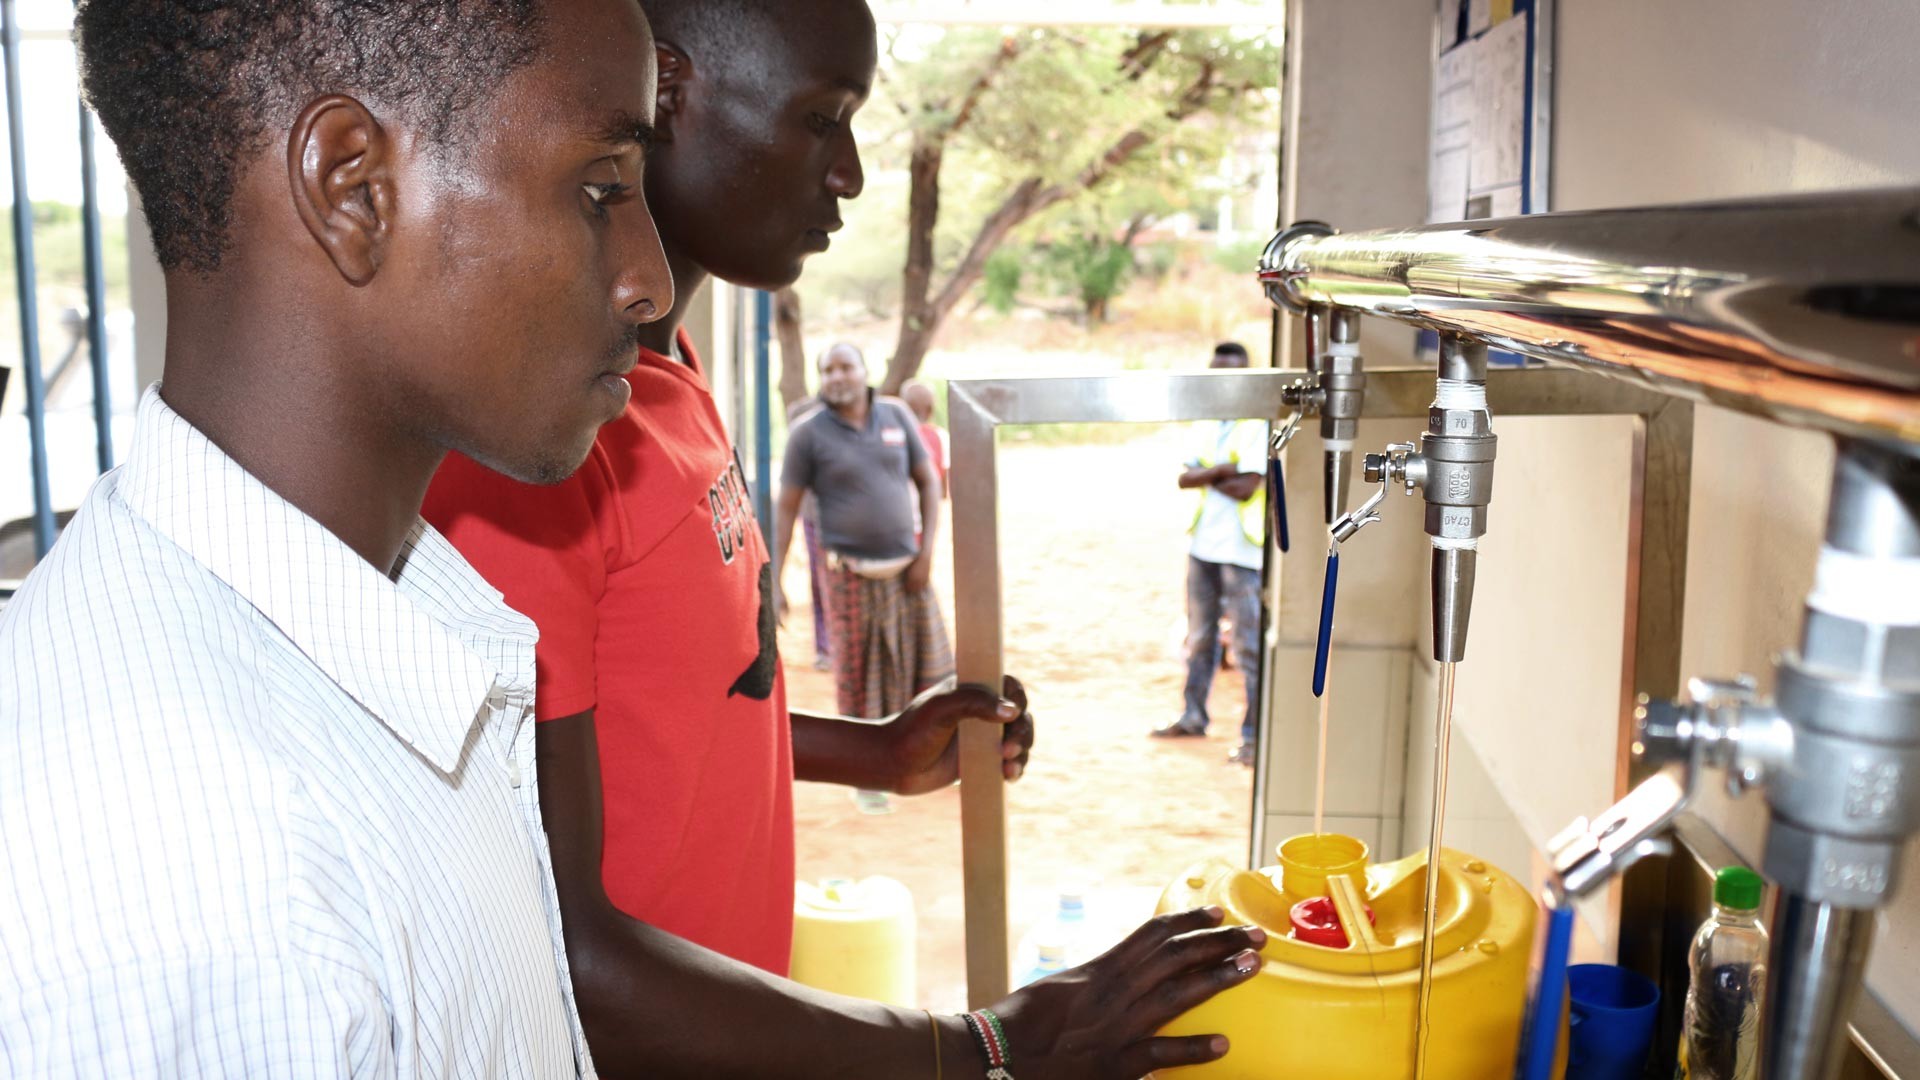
(1273, 263)
(1342, 394)
(1843, 813)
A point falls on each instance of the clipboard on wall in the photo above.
(1491, 118)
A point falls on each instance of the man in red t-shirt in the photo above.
(666, 749)
(651, 584)
(919, 398)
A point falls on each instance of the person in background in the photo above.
(919, 398)
(862, 458)
(666, 749)
(1223, 563)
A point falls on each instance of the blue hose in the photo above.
(1325, 644)
(1542, 1033)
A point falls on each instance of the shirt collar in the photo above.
(873, 402)
(411, 649)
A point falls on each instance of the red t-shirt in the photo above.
(935, 441)
(649, 580)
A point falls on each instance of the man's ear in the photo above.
(340, 163)
(670, 102)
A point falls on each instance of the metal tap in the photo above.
(1836, 752)
(1334, 388)
(1453, 469)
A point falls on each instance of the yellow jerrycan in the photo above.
(1340, 978)
(855, 937)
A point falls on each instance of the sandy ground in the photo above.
(1095, 556)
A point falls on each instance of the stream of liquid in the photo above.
(1442, 743)
(1320, 776)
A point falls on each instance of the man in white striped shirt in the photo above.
(267, 788)
(267, 783)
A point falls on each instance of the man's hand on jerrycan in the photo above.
(1097, 1021)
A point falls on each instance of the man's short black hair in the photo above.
(1232, 348)
(714, 28)
(187, 89)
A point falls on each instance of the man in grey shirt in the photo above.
(862, 459)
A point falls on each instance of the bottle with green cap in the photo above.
(1721, 1033)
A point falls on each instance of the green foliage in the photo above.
(59, 263)
(1000, 284)
(1093, 266)
(859, 276)
(1066, 96)
(1241, 256)
(55, 213)
(1155, 261)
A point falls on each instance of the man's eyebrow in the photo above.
(623, 128)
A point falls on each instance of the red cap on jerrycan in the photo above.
(1317, 922)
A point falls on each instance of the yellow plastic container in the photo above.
(856, 938)
(1327, 1013)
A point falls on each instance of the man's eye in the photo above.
(604, 193)
(822, 124)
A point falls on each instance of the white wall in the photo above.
(1656, 101)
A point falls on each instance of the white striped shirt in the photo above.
(265, 811)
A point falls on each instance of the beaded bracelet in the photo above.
(993, 1042)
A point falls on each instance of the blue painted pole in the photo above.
(96, 294)
(763, 411)
(23, 270)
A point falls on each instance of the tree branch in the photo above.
(793, 350)
(1009, 48)
(1147, 48)
(1137, 225)
(1030, 197)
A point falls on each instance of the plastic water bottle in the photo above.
(1057, 943)
(1720, 1037)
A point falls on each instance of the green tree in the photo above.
(999, 131)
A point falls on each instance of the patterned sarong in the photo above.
(888, 644)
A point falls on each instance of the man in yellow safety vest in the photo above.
(1223, 563)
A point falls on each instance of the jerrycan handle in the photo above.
(1325, 643)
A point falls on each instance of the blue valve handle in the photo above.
(1541, 1038)
(1326, 622)
(1277, 503)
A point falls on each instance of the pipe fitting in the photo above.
(1275, 278)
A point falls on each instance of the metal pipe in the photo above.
(96, 294)
(23, 269)
(1813, 981)
(1316, 328)
(1801, 309)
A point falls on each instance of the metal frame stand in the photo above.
(976, 409)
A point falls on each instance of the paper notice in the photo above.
(1452, 142)
(1499, 107)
